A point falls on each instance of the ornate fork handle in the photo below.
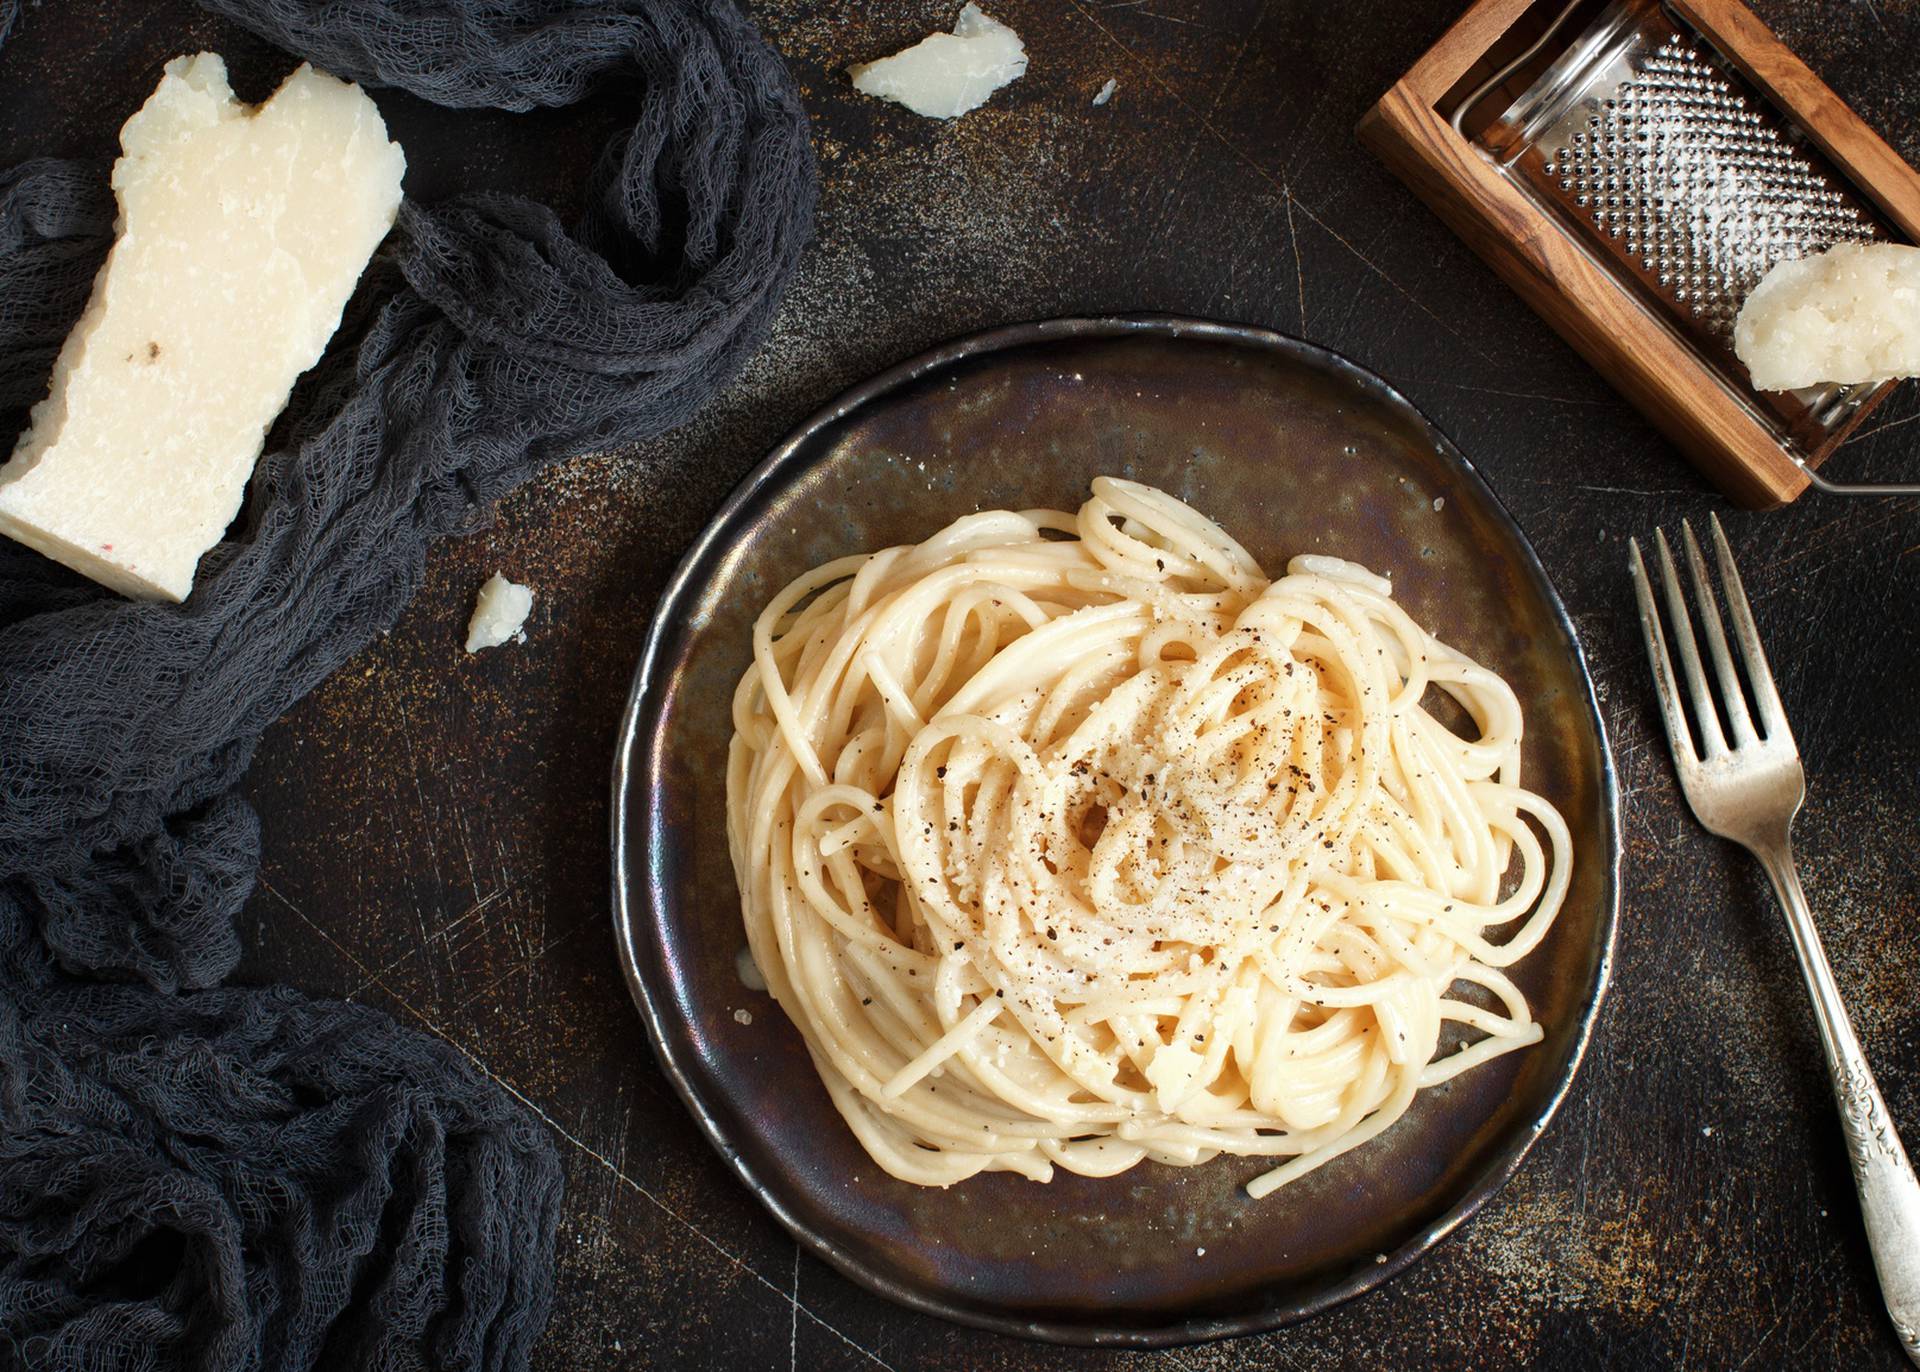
(1889, 1192)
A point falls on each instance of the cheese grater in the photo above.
(1652, 143)
(1679, 174)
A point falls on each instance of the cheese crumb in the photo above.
(242, 232)
(1106, 91)
(498, 614)
(1850, 314)
(743, 1017)
(946, 74)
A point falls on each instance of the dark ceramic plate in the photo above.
(1292, 449)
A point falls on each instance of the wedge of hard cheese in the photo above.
(242, 232)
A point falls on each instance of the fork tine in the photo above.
(1766, 699)
(1731, 695)
(1664, 686)
(1712, 742)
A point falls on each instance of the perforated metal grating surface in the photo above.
(1699, 186)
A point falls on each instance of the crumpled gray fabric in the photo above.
(202, 1176)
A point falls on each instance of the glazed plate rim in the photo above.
(634, 906)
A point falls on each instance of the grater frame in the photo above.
(1702, 404)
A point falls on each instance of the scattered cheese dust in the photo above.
(1850, 314)
(946, 74)
(498, 614)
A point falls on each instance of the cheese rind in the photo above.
(241, 235)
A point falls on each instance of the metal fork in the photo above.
(1749, 791)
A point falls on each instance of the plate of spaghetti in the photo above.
(1113, 837)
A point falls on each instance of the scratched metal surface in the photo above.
(436, 824)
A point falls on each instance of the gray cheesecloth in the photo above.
(222, 1177)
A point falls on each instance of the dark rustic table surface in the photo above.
(437, 824)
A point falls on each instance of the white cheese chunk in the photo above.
(498, 614)
(242, 232)
(946, 74)
(1847, 315)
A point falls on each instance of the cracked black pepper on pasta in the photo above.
(1136, 853)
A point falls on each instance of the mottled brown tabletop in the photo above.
(437, 824)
